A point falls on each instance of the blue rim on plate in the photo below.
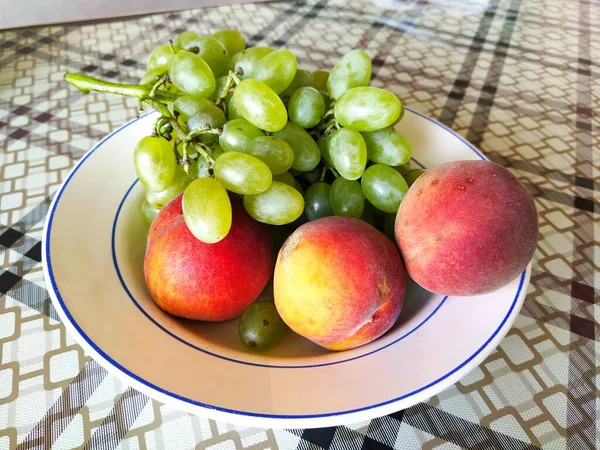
(150, 385)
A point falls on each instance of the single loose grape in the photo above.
(260, 326)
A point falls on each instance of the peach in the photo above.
(212, 282)
(466, 228)
(339, 282)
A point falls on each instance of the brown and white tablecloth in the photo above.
(518, 78)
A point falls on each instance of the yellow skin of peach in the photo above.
(339, 282)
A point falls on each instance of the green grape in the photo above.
(148, 211)
(387, 146)
(180, 181)
(151, 76)
(277, 70)
(306, 151)
(260, 105)
(219, 87)
(260, 326)
(232, 40)
(301, 79)
(347, 198)
(352, 70)
(191, 74)
(188, 105)
(207, 210)
(367, 108)
(201, 167)
(275, 153)
(316, 201)
(348, 153)
(232, 110)
(237, 134)
(159, 58)
(207, 117)
(209, 48)
(306, 107)
(324, 146)
(154, 162)
(412, 176)
(321, 77)
(278, 205)
(384, 187)
(245, 63)
(241, 173)
(286, 178)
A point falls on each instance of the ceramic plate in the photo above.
(94, 244)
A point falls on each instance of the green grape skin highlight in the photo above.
(348, 153)
(346, 198)
(275, 153)
(352, 70)
(384, 187)
(207, 210)
(367, 108)
(306, 151)
(277, 70)
(278, 205)
(154, 162)
(237, 134)
(260, 105)
(306, 107)
(191, 74)
(316, 201)
(241, 173)
(387, 146)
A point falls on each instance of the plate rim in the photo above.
(248, 417)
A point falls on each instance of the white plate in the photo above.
(94, 243)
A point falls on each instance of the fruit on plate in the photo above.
(213, 282)
(260, 326)
(466, 228)
(339, 282)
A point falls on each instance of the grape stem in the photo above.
(161, 108)
(162, 80)
(86, 84)
(232, 78)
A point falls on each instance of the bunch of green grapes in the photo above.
(296, 145)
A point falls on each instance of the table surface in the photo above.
(517, 78)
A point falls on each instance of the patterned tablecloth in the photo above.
(517, 78)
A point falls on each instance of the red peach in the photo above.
(211, 282)
(466, 228)
(339, 282)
